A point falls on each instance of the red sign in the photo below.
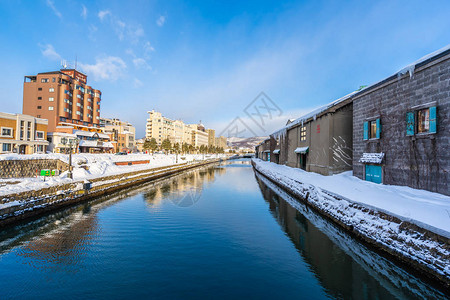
(318, 128)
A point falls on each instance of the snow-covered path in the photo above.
(99, 165)
(423, 208)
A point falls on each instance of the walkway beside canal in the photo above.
(16, 207)
(424, 247)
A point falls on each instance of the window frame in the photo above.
(43, 135)
(412, 130)
(302, 133)
(10, 128)
(7, 150)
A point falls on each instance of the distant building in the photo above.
(211, 137)
(221, 142)
(140, 145)
(176, 131)
(121, 133)
(60, 142)
(199, 135)
(161, 128)
(22, 134)
(63, 98)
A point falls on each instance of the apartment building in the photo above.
(211, 137)
(63, 98)
(22, 134)
(122, 134)
(221, 142)
(199, 135)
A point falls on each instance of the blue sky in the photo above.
(204, 60)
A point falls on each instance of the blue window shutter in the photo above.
(433, 119)
(366, 130)
(378, 129)
(410, 124)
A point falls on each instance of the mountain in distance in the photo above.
(251, 142)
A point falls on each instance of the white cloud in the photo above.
(148, 48)
(141, 63)
(105, 68)
(137, 83)
(83, 11)
(49, 52)
(103, 13)
(160, 21)
(51, 4)
(92, 30)
(123, 30)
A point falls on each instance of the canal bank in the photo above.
(237, 239)
(420, 249)
(21, 206)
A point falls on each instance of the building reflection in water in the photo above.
(343, 266)
(59, 240)
(182, 190)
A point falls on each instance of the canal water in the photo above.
(217, 232)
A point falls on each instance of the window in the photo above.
(51, 99)
(79, 96)
(39, 89)
(50, 108)
(51, 90)
(39, 135)
(39, 98)
(421, 121)
(54, 79)
(372, 129)
(40, 148)
(39, 107)
(38, 116)
(303, 133)
(44, 80)
(6, 147)
(78, 113)
(6, 131)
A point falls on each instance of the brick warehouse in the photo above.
(401, 127)
(399, 134)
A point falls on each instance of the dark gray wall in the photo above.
(421, 161)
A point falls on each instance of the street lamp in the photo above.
(71, 143)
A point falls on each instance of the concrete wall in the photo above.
(27, 168)
(341, 140)
(420, 161)
(329, 139)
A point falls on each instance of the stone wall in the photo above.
(28, 168)
(419, 161)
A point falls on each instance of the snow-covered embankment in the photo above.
(417, 235)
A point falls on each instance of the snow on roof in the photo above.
(312, 114)
(103, 136)
(84, 143)
(411, 67)
(301, 150)
(84, 133)
(276, 151)
(95, 144)
(374, 158)
(56, 133)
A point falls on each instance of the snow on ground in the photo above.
(423, 208)
(99, 165)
